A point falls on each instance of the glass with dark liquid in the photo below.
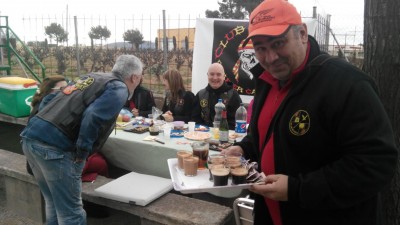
(200, 149)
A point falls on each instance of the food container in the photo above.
(16, 95)
(178, 125)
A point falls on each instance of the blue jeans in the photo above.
(59, 180)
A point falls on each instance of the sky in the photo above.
(346, 16)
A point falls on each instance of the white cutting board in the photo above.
(135, 188)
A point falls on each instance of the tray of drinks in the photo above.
(199, 183)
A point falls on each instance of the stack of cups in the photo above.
(181, 155)
(188, 163)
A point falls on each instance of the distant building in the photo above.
(180, 35)
(350, 51)
(144, 45)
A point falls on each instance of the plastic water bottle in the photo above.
(219, 107)
(241, 118)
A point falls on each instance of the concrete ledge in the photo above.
(14, 165)
(15, 120)
(169, 209)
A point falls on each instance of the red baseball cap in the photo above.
(272, 18)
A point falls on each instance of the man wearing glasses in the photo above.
(318, 130)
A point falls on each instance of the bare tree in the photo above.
(381, 61)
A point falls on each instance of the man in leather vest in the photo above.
(205, 100)
(68, 128)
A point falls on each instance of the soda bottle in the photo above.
(241, 118)
(219, 107)
(224, 129)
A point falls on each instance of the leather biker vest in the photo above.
(66, 109)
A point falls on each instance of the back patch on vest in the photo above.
(80, 84)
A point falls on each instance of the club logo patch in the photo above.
(203, 103)
(299, 124)
(80, 84)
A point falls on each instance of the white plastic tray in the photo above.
(199, 183)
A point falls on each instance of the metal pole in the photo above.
(78, 67)
(165, 43)
(66, 25)
(327, 29)
(340, 47)
(314, 14)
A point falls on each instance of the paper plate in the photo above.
(197, 136)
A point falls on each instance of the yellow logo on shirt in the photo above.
(203, 103)
(299, 124)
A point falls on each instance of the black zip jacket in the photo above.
(334, 140)
(182, 109)
(143, 99)
(232, 104)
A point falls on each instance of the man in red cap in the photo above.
(318, 129)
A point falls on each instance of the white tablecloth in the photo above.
(129, 151)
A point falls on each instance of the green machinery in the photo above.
(10, 56)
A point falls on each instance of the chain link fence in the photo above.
(61, 58)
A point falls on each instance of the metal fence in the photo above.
(62, 60)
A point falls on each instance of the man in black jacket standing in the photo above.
(318, 129)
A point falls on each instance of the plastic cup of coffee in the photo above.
(216, 159)
(220, 175)
(233, 160)
(239, 175)
(181, 155)
(190, 165)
